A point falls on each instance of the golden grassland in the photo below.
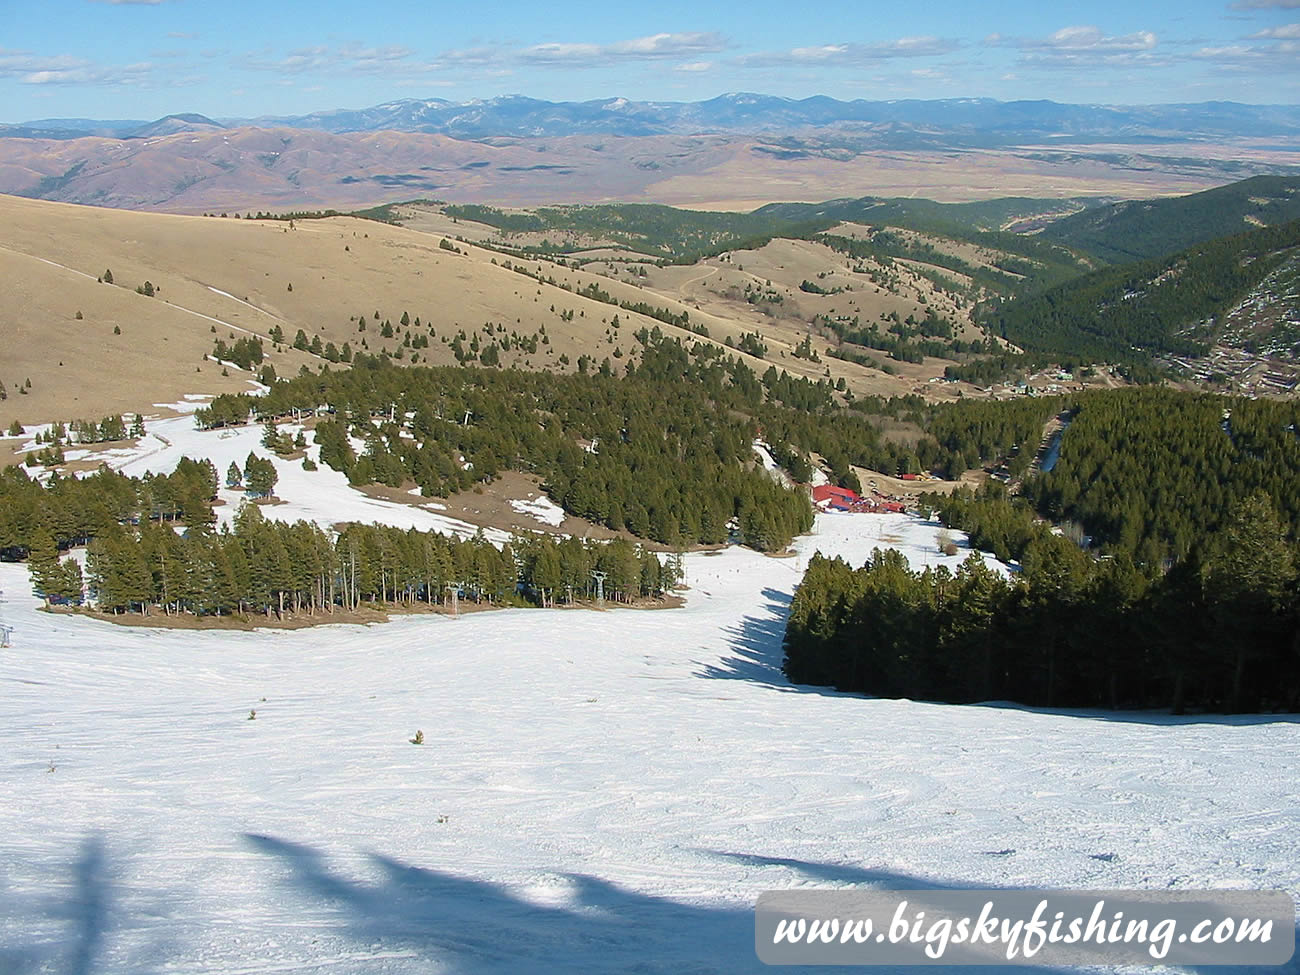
(225, 278)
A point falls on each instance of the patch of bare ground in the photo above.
(488, 506)
(899, 488)
(364, 615)
(903, 432)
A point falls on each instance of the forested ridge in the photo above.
(1152, 472)
(1186, 597)
(1137, 230)
(664, 452)
(685, 415)
(1125, 313)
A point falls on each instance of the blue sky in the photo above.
(239, 58)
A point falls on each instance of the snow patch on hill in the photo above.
(542, 509)
(323, 495)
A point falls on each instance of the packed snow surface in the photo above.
(596, 792)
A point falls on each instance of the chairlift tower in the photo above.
(600, 587)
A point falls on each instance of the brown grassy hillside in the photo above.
(222, 278)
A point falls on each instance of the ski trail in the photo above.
(260, 311)
(188, 311)
(50, 263)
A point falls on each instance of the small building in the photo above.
(831, 496)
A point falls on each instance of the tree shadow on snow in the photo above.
(470, 926)
(457, 924)
(757, 653)
(77, 932)
(473, 926)
(82, 917)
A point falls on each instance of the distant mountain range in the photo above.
(908, 123)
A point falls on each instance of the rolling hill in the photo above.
(1140, 229)
(882, 305)
(90, 348)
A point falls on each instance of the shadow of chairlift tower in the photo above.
(6, 631)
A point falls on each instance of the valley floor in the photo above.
(603, 792)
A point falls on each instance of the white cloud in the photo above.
(1078, 38)
(349, 57)
(1084, 46)
(14, 63)
(1282, 57)
(1266, 5)
(655, 47)
(1282, 32)
(137, 75)
(471, 57)
(695, 66)
(848, 54)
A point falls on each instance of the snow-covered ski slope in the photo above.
(597, 791)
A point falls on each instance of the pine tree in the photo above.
(72, 583)
(1248, 577)
(43, 562)
(259, 476)
(548, 573)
